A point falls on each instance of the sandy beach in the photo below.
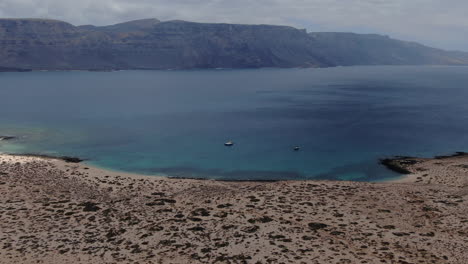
(52, 211)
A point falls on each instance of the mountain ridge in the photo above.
(47, 44)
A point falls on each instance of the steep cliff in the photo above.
(152, 44)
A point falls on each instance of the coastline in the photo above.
(446, 169)
(82, 162)
(405, 165)
(52, 211)
(201, 69)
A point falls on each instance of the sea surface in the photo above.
(175, 123)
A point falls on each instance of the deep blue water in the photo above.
(176, 122)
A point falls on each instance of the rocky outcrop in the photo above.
(6, 138)
(67, 159)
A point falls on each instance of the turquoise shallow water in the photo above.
(176, 122)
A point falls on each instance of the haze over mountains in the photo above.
(40, 44)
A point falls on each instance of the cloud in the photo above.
(436, 22)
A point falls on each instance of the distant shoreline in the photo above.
(7, 69)
(155, 44)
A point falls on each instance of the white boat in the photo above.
(229, 144)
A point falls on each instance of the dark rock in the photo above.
(90, 207)
(205, 250)
(250, 229)
(170, 201)
(398, 164)
(232, 259)
(200, 212)
(63, 251)
(71, 159)
(197, 228)
(167, 242)
(457, 154)
(317, 226)
(6, 137)
(156, 228)
(64, 158)
(276, 236)
(429, 234)
(400, 234)
(155, 203)
(113, 233)
(336, 233)
(221, 244)
(263, 219)
(221, 214)
(384, 211)
(224, 205)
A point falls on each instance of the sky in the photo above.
(438, 23)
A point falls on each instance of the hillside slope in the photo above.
(152, 44)
(371, 49)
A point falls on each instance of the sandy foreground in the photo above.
(57, 212)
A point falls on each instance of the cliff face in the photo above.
(371, 49)
(152, 44)
(46, 44)
(179, 44)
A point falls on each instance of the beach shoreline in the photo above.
(52, 211)
(88, 163)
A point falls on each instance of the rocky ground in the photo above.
(57, 212)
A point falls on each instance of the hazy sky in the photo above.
(440, 23)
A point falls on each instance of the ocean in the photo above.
(175, 123)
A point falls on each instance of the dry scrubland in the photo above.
(57, 212)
